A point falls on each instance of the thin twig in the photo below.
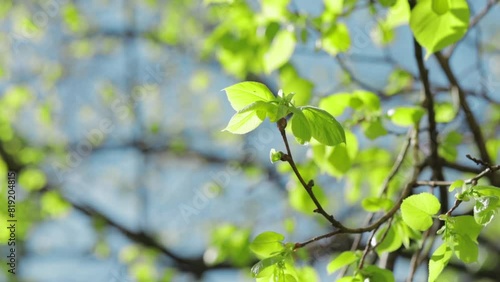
(308, 186)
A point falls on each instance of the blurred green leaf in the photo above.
(336, 39)
(344, 259)
(280, 51)
(406, 116)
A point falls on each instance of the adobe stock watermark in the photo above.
(220, 179)
(120, 107)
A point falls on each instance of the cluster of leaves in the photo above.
(254, 102)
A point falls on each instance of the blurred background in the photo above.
(111, 115)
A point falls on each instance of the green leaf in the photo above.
(399, 80)
(382, 34)
(438, 261)
(324, 127)
(456, 184)
(485, 209)
(245, 93)
(375, 204)
(300, 127)
(437, 30)
(376, 274)
(387, 3)
(267, 244)
(291, 82)
(440, 6)
(399, 14)
(336, 160)
(280, 51)
(32, 179)
(308, 274)
(350, 279)
(391, 242)
(374, 129)
(344, 259)
(370, 100)
(245, 122)
(486, 190)
(274, 9)
(445, 112)
(274, 155)
(336, 39)
(463, 232)
(259, 267)
(335, 104)
(301, 201)
(465, 248)
(406, 116)
(417, 210)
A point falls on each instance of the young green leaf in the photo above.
(280, 51)
(485, 190)
(437, 26)
(417, 210)
(387, 3)
(376, 274)
(406, 116)
(438, 261)
(259, 267)
(445, 112)
(291, 81)
(370, 100)
(245, 93)
(465, 248)
(267, 244)
(440, 6)
(274, 155)
(485, 209)
(375, 204)
(374, 129)
(336, 39)
(336, 104)
(300, 127)
(456, 184)
(245, 122)
(391, 242)
(463, 232)
(324, 127)
(345, 258)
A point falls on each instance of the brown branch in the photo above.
(470, 118)
(428, 103)
(309, 185)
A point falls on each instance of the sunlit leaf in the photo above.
(437, 30)
(336, 39)
(406, 116)
(267, 244)
(242, 123)
(324, 127)
(438, 261)
(417, 210)
(280, 51)
(300, 127)
(245, 93)
(342, 260)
